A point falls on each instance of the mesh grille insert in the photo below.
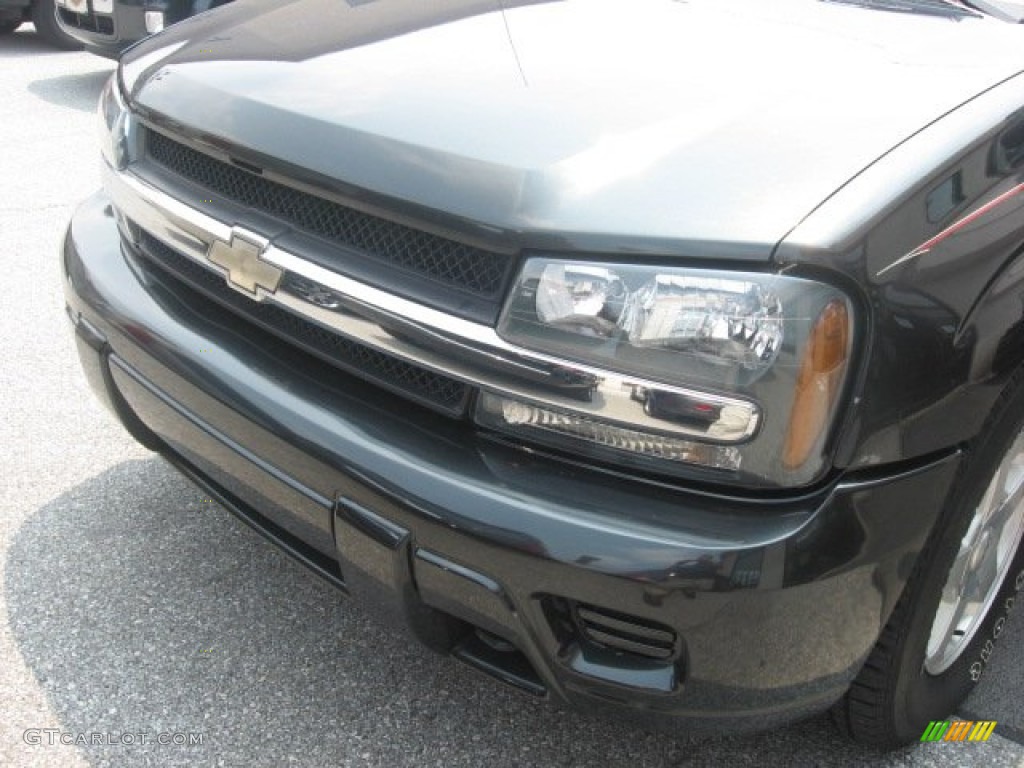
(446, 261)
(432, 389)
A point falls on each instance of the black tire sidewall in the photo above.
(45, 20)
(919, 696)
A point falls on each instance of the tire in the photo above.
(44, 16)
(925, 662)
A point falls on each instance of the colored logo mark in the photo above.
(958, 730)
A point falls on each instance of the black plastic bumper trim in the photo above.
(381, 530)
(650, 676)
(477, 578)
(509, 667)
(209, 429)
(289, 544)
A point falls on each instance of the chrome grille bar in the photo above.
(423, 336)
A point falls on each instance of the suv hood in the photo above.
(710, 127)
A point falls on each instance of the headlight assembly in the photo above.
(752, 366)
(114, 124)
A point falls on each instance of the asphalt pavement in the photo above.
(134, 611)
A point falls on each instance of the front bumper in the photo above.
(493, 553)
(105, 34)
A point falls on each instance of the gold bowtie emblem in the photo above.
(241, 259)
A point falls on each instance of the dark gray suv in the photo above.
(654, 357)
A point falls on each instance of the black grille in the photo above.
(432, 389)
(625, 633)
(446, 261)
(103, 25)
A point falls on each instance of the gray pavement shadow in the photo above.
(25, 40)
(142, 607)
(80, 91)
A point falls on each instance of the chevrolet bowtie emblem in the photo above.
(243, 265)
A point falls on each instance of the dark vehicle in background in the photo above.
(14, 13)
(107, 27)
(658, 358)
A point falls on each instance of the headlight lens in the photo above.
(781, 343)
(114, 120)
(724, 325)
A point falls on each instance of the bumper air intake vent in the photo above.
(628, 634)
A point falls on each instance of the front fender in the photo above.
(933, 232)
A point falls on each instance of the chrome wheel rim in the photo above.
(980, 567)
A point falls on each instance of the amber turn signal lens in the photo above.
(818, 383)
